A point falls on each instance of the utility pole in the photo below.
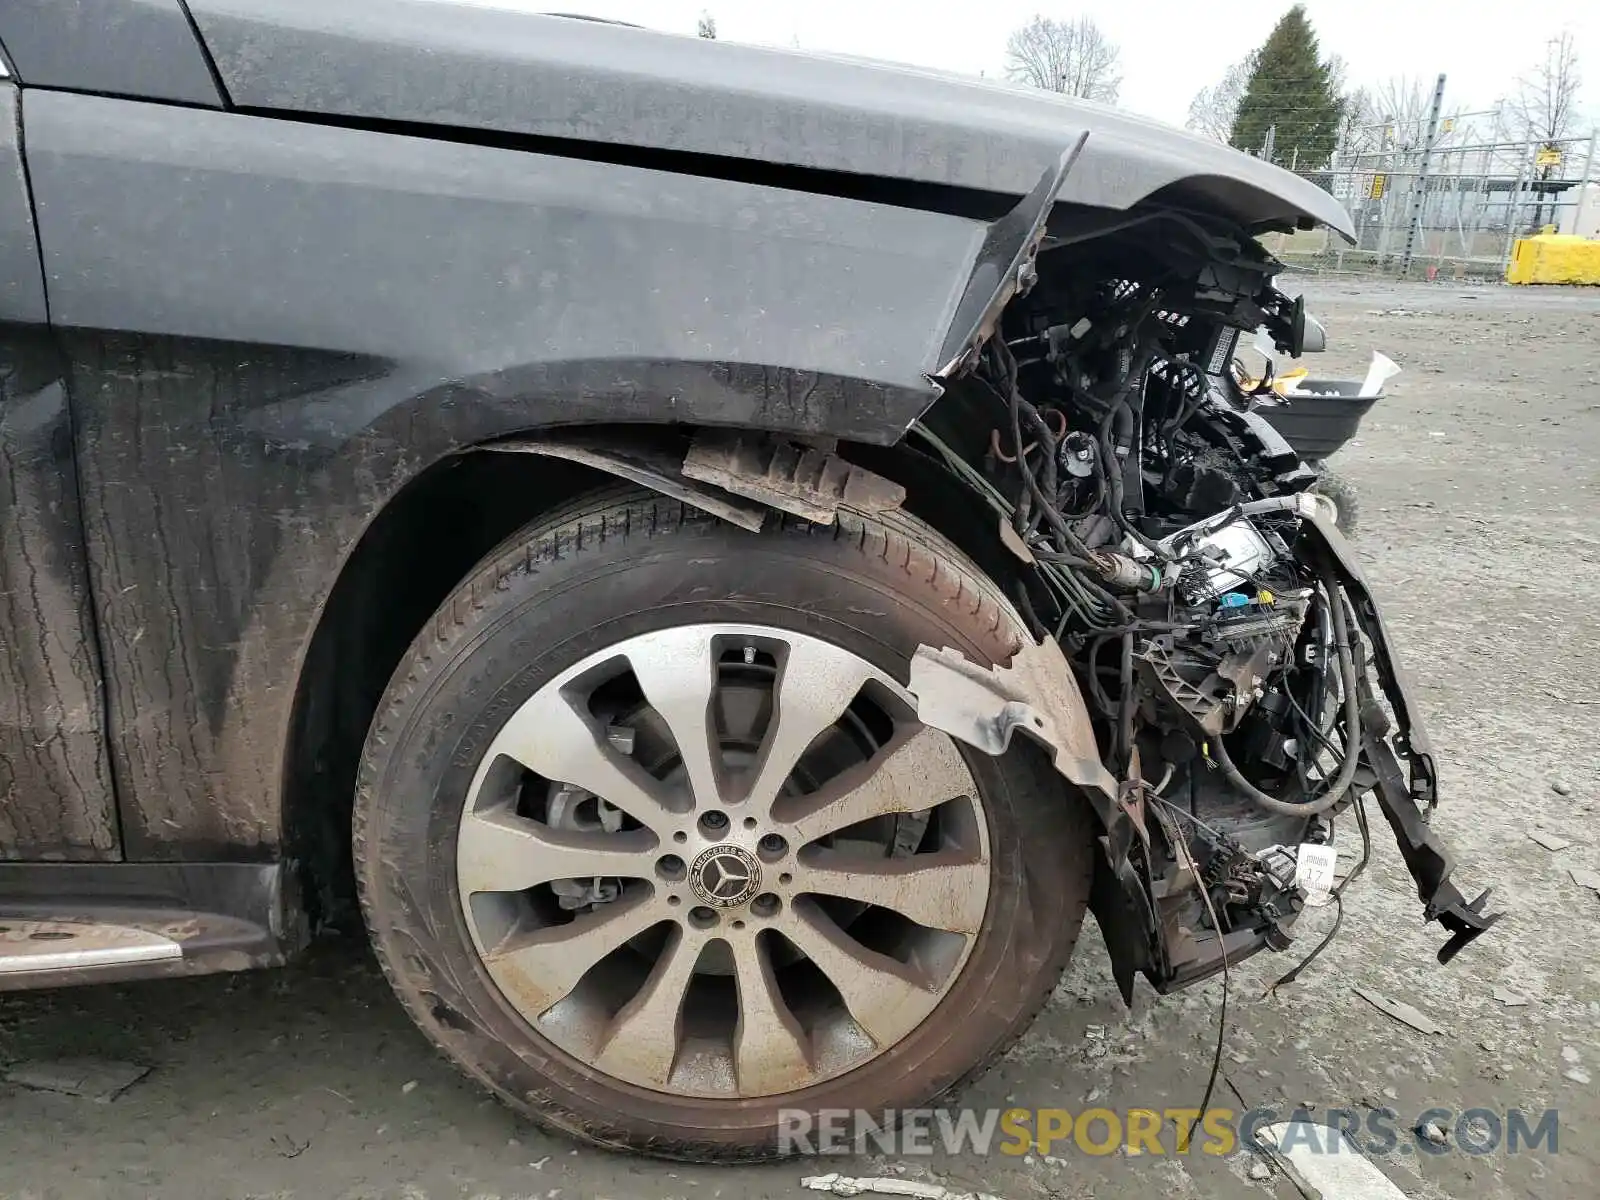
(1419, 197)
(1270, 144)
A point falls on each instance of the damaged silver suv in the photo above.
(726, 556)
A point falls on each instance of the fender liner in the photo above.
(1037, 695)
(644, 460)
(739, 477)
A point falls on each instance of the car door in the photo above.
(59, 593)
(56, 797)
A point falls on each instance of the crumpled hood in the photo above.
(437, 62)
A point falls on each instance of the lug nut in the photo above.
(772, 845)
(714, 822)
(670, 866)
(765, 905)
(702, 917)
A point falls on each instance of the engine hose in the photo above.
(1352, 720)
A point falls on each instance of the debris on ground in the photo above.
(1258, 1171)
(846, 1185)
(1400, 1011)
(1574, 1071)
(1433, 1133)
(408, 1087)
(99, 1079)
(1548, 840)
(1509, 998)
(1588, 879)
(1565, 699)
(1561, 787)
(1323, 1161)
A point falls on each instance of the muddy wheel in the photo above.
(651, 842)
(1343, 493)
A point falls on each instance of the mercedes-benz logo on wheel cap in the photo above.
(725, 876)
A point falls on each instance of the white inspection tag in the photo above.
(1313, 872)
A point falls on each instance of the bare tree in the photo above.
(1544, 109)
(707, 26)
(1392, 118)
(1360, 124)
(1393, 115)
(1213, 108)
(1072, 57)
(1405, 104)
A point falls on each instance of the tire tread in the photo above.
(584, 525)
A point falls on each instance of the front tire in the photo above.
(650, 843)
(1342, 492)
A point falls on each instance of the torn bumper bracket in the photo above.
(1407, 801)
(1427, 857)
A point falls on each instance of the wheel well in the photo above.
(418, 548)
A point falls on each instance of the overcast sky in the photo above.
(1170, 48)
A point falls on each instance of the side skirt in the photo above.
(71, 923)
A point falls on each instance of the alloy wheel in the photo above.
(722, 860)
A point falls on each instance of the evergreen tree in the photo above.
(1292, 92)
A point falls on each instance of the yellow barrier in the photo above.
(1554, 258)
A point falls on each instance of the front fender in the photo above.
(274, 325)
(501, 274)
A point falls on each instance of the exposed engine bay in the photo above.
(1210, 669)
(1237, 671)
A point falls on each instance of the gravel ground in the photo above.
(1481, 528)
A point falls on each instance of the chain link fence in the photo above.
(1455, 216)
